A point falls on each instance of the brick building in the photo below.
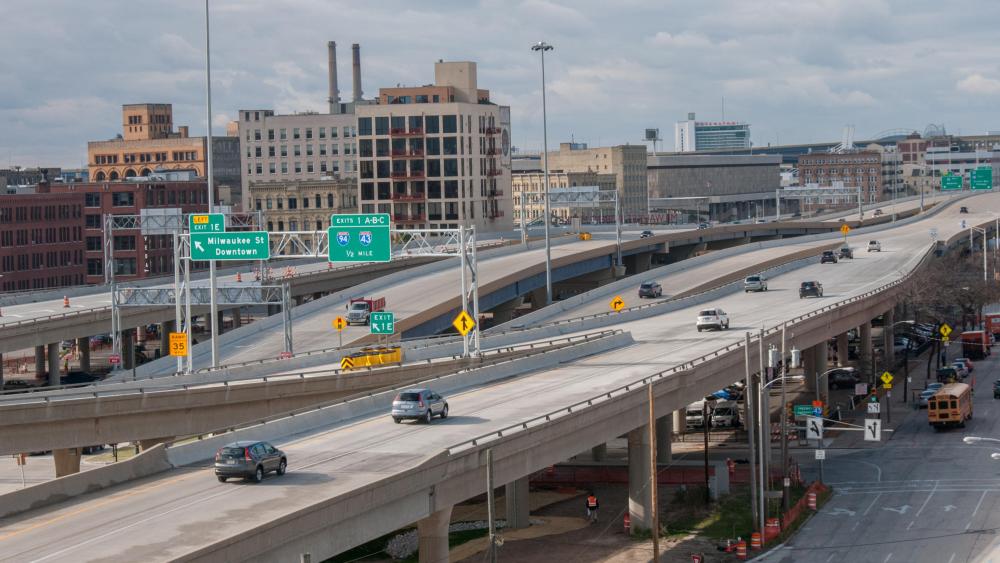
(852, 169)
(41, 241)
(135, 256)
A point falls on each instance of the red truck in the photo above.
(992, 324)
(359, 309)
(975, 344)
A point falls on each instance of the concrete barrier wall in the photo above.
(149, 462)
(376, 403)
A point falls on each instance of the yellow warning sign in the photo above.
(886, 378)
(617, 304)
(945, 330)
(346, 362)
(339, 323)
(178, 344)
(887, 385)
(844, 229)
(199, 219)
(945, 339)
(463, 323)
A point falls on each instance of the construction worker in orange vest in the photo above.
(592, 507)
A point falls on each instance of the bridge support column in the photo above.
(843, 350)
(39, 361)
(433, 536)
(1, 371)
(821, 353)
(865, 360)
(516, 498)
(504, 312)
(298, 300)
(150, 442)
(54, 363)
(680, 420)
(599, 452)
(83, 349)
(273, 310)
(809, 368)
(67, 461)
(640, 507)
(237, 318)
(664, 437)
(128, 344)
(888, 340)
(166, 327)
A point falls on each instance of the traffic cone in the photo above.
(66, 302)
(239, 278)
(329, 265)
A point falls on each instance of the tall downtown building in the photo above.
(691, 135)
(436, 156)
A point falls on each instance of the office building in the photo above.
(41, 240)
(302, 146)
(303, 205)
(713, 187)
(436, 156)
(531, 185)
(849, 170)
(692, 135)
(626, 162)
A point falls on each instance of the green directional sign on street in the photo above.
(249, 245)
(360, 238)
(383, 323)
(206, 223)
(802, 410)
(951, 182)
(981, 178)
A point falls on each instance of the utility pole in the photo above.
(652, 476)
(213, 308)
(783, 372)
(491, 509)
(765, 441)
(751, 430)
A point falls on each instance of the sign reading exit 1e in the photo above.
(206, 223)
(360, 238)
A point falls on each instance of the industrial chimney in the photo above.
(356, 51)
(331, 64)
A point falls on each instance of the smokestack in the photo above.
(331, 69)
(356, 51)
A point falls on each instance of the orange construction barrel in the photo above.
(755, 543)
(741, 550)
(628, 524)
(811, 500)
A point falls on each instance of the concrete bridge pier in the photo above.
(821, 354)
(680, 420)
(54, 363)
(67, 461)
(538, 298)
(505, 311)
(888, 340)
(166, 327)
(599, 452)
(433, 536)
(516, 500)
(128, 344)
(809, 368)
(640, 493)
(843, 350)
(83, 353)
(865, 357)
(664, 437)
(40, 361)
(237, 315)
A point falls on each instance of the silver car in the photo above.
(418, 404)
(250, 460)
(755, 283)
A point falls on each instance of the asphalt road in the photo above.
(169, 514)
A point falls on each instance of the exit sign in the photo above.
(206, 223)
(359, 238)
(382, 322)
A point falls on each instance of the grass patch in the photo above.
(370, 551)
(455, 539)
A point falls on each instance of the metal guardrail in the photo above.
(632, 386)
(357, 372)
(570, 340)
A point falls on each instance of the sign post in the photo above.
(360, 238)
(844, 229)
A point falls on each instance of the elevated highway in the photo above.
(363, 476)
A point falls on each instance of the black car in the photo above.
(810, 289)
(844, 378)
(645, 234)
(250, 460)
(703, 225)
(963, 209)
(650, 289)
(828, 256)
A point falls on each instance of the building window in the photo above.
(122, 199)
(297, 150)
(94, 244)
(381, 126)
(95, 267)
(281, 225)
(270, 134)
(305, 202)
(270, 150)
(333, 130)
(322, 149)
(256, 134)
(309, 167)
(432, 123)
(270, 168)
(269, 203)
(319, 202)
(281, 203)
(322, 132)
(329, 200)
(282, 135)
(92, 200)
(284, 168)
(449, 124)
(298, 167)
(309, 150)
(293, 203)
(295, 133)
(257, 204)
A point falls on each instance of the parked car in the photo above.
(645, 234)
(16, 385)
(650, 289)
(703, 225)
(760, 221)
(810, 289)
(846, 252)
(712, 318)
(996, 389)
(963, 209)
(249, 459)
(755, 283)
(874, 246)
(968, 363)
(828, 256)
(925, 395)
(843, 378)
(726, 414)
(960, 368)
(418, 404)
(694, 415)
(947, 375)
(76, 377)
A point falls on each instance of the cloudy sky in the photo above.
(796, 70)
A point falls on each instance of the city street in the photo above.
(923, 496)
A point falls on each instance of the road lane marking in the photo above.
(976, 510)
(874, 500)
(952, 558)
(887, 558)
(922, 506)
(878, 476)
(830, 558)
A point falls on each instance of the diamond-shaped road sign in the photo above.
(945, 330)
(463, 323)
(617, 304)
(873, 430)
(886, 377)
(844, 229)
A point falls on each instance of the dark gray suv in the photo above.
(249, 460)
(418, 404)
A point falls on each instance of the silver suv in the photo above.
(249, 460)
(754, 283)
(418, 404)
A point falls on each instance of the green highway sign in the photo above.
(383, 322)
(981, 178)
(206, 223)
(249, 245)
(951, 182)
(803, 410)
(360, 238)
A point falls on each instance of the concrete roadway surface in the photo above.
(164, 516)
(922, 496)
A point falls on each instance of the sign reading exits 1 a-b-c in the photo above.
(360, 238)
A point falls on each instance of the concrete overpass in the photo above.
(356, 479)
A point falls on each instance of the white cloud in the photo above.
(684, 39)
(978, 84)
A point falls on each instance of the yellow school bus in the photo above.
(950, 406)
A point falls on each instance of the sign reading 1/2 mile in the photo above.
(360, 238)
(206, 223)
(248, 245)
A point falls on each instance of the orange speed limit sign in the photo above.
(178, 344)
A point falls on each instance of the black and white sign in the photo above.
(873, 430)
(874, 408)
(814, 428)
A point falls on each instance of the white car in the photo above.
(755, 283)
(874, 246)
(712, 318)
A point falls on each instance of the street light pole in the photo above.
(541, 47)
(213, 314)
